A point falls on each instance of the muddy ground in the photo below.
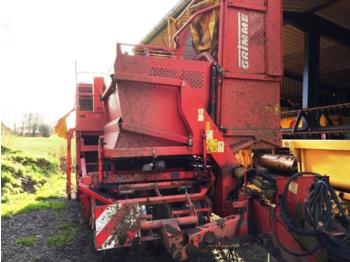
(45, 223)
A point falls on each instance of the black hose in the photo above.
(212, 99)
(318, 210)
(287, 250)
(285, 214)
(301, 254)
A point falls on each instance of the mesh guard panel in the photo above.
(257, 32)
(194, 78)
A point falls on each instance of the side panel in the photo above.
(145, 108)
(248, 106)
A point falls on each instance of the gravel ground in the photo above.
(45, 223)
(42, 224)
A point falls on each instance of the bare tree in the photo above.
(22, 128)
(30, 124)
(36, 121)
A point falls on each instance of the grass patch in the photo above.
(66, 234)
(27, 241)
(30, 177)
(49, 196)
(46, 204)
(51, 148)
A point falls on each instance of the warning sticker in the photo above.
(293, 187)
(209, 134)
(212, 145)
(221, 146)
(200, 117)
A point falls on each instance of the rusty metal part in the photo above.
(154, 186)
(146, 225)
(173, 238)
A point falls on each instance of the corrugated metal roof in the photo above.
(293, 41)
(338, 13)
(161, 26)
(303, 5)
(334, 57)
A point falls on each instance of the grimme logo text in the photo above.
(243, 41)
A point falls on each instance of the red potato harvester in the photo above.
(171, 140)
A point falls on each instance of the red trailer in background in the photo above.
(171, 140)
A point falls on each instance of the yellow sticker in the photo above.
(221, 146)
(200, 117)
(212, 145)
(207, 125)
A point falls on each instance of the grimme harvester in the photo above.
(181, 133)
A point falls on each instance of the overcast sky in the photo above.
(41, 39)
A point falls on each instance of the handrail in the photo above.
(204, 10)
(185, 10)
(175, 20)
(144, 47)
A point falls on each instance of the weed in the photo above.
(27, 241)
(66, 233)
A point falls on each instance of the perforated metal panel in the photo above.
(194, 78)
(85, 97)
(86, 103)
(86, 89)
(164, 72)
(257, 31)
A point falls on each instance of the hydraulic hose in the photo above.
(319, 215)
(284, 211)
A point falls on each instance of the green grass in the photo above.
(66, 234)
(31, 204)
(27, 241)
(46, 196)
(31, 178)
(51, 148)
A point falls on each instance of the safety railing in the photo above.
(145, 50)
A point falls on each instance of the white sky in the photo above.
(40, 39)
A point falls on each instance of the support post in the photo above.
(100, 157)
(69, 164)
(311, 61)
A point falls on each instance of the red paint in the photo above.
(144, 148)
